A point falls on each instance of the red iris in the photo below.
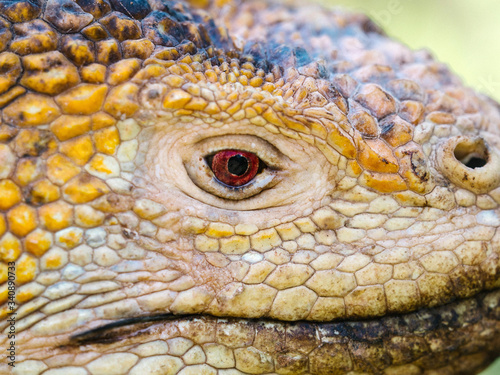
(234, 167)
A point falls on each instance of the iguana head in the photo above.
(244, 189)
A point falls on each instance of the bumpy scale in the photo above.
(367, 242)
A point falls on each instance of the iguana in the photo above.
(240, 187)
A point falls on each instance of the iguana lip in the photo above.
(454, 316)
(115, 331)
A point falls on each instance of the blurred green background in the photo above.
(464, 34)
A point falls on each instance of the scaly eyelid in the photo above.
(297, 170)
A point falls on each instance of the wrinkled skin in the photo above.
(366, 239)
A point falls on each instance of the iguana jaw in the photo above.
(425, 338)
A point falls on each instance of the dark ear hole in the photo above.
(472, 154)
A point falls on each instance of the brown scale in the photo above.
(20, 11)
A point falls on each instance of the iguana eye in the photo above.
(235, 168)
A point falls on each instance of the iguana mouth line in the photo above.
(112, 332)
(449, 316)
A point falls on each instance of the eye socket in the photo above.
(288, 172)
(235, 168)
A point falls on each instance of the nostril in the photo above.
(470, 163)
(472, 155)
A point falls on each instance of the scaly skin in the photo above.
(368, 243)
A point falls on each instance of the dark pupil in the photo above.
(237, 165)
